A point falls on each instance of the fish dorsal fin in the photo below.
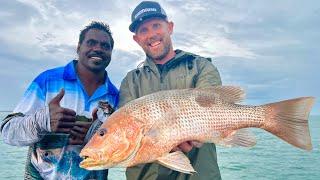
(177, 161)
(232, 94)
(241, 137)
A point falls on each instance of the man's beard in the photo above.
(159, 56)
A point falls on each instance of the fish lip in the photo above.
(89, 160)
(91, 164)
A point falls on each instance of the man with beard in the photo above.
(164, 69)
(54, 114)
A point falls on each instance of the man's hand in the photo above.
(78, 132)
(61, 119)
(187, 146)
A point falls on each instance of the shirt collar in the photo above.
(70, 74)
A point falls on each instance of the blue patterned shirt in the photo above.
(52, 157)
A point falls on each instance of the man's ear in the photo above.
(78, 48)
(136, 38)
(170, 26)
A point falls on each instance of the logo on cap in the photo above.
(145, 10)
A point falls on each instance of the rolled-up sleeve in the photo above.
(24, 130)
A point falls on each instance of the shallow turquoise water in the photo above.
(270, 159)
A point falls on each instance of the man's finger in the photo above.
(56, 100)
(94, 114)
(63, 124)
(68, 111)
(196, 144)
(76, 134)
(63, 130)
(65, 118)
(78, 129)
(75, 141)
(185, 146)
(175, 149)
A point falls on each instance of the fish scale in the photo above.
(190, 118)
(190, 122)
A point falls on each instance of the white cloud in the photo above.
(213, 46)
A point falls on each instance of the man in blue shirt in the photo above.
(54, 115)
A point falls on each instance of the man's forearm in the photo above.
(26, 130)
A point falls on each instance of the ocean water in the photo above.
(270, 159)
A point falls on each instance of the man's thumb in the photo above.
(57, 98)
(94, 114)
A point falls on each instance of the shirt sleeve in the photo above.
(33, 121)
(208, 75)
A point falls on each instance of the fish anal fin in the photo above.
(177, 161)
(232, 94)
(241, 137)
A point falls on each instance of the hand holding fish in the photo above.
(81, 128)
(61, 119)
(78, 132)
(187, 146)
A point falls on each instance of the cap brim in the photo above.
(135, 24)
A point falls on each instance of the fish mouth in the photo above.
(93, 161)
(92, 164)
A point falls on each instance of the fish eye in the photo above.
(48, 153)
(102, 132)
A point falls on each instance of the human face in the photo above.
(95, 51)
(153, 36)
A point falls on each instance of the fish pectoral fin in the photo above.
(155, 130)
(177, 161)
(241, 137)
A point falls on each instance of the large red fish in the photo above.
(147, 129)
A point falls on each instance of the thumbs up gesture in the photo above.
(61, 119)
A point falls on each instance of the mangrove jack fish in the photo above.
(146, 129)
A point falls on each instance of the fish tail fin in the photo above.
(289, 121)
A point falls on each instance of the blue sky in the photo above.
(268, 47)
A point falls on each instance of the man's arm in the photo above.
(27, 129)
(30, 119)
(208, 75)
(23, 130)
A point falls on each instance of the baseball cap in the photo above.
(145, 10)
